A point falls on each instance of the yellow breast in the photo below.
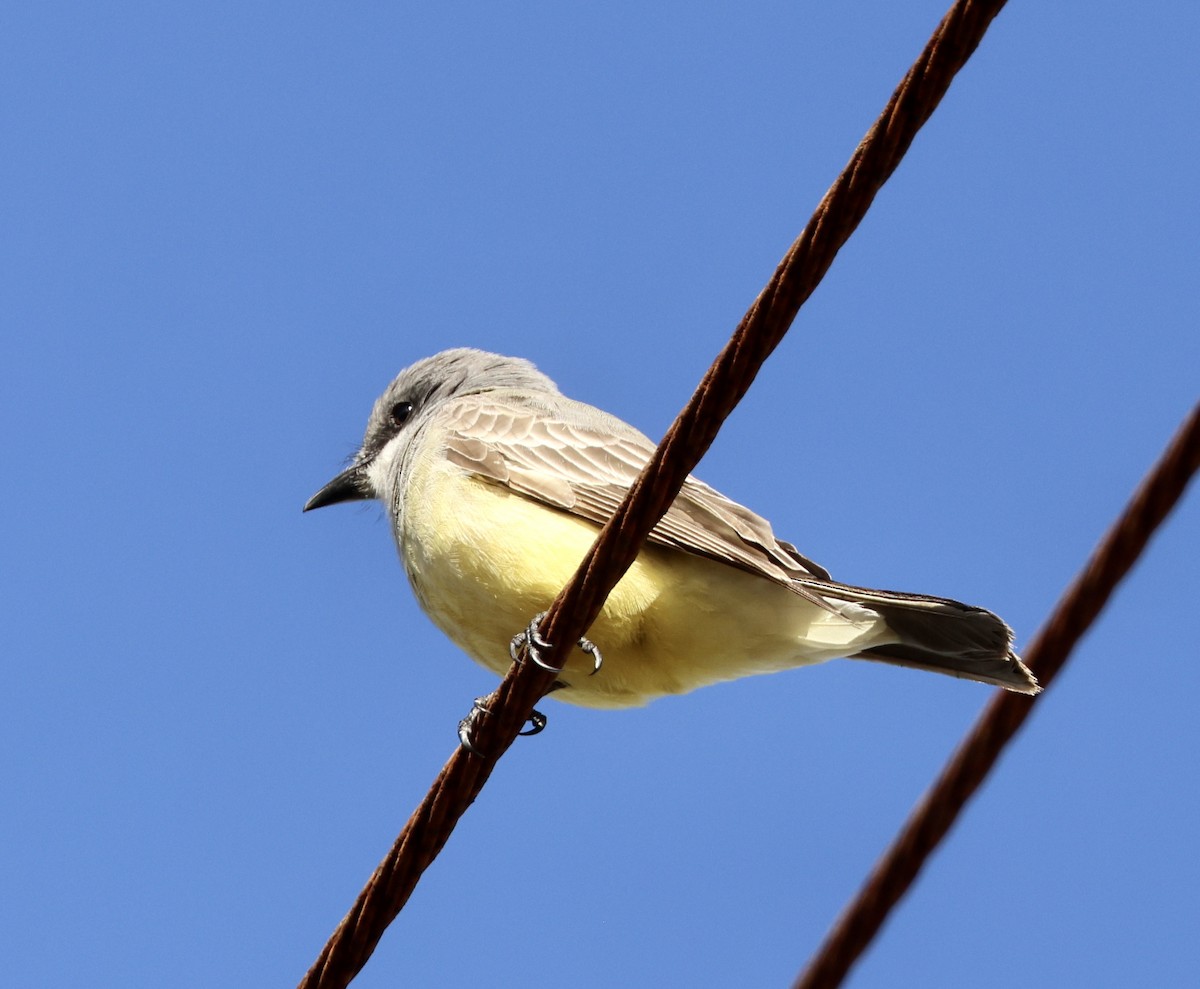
(483, 561)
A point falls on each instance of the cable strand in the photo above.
(931, 820)
(723, 386)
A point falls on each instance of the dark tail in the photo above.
(940, 635)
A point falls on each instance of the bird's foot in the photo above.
(466, 727)
(532, 639)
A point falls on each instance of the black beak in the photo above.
(349, 485)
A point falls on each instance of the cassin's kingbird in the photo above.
(496, 486)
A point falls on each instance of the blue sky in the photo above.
(226, 227)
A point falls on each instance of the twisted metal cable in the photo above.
(757, 335)
(1154, 499)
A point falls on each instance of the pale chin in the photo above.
(382, 473)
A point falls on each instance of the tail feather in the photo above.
(941, 635)
(1007, 672)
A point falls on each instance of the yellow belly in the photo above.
(483, 561)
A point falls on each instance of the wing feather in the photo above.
(578, 459)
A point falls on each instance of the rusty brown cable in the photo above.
(1124, 542)
(757, 335)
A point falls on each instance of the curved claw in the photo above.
(537, 723)
(532, 639)
(534, 646)
(589, 647)
(467, 725)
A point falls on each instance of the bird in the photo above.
(496, 485)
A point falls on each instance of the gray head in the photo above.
(411, 399)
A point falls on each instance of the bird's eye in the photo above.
(399, 412)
